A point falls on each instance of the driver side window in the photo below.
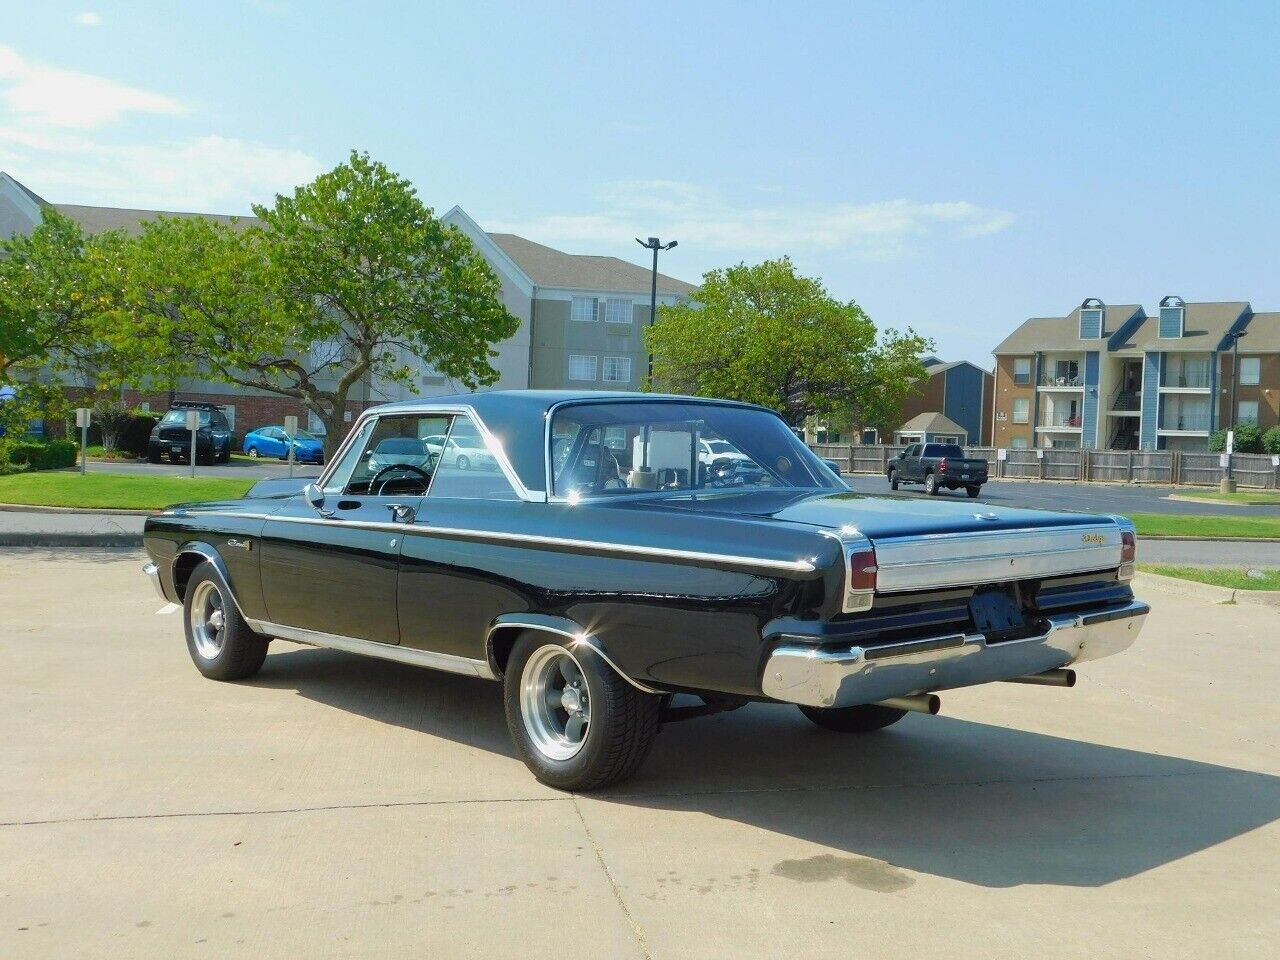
(397, 456)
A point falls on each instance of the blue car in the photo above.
(274, 442)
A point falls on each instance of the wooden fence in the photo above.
(1169, 467)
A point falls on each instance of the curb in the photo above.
(78, 511)
(1205, 591)
(1220, 503)
(115, 540)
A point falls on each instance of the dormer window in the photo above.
(1091, 312)
(1173, 312)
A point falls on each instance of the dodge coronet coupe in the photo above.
(606, 565)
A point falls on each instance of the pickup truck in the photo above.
(937, 465)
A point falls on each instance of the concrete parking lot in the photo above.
(337, 806)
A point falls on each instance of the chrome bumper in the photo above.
(848, 676)
(153, 574)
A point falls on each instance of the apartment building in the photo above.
(582, 317)
(959, 391)
(1113, 377)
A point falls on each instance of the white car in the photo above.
(728, 460)
(454, 454)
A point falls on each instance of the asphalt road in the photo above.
(337, 806)
(1084, 497)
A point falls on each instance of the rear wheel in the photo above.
(893, 479)
(931, 484)
(860, 719)
(972, 490)
(220, 643)
(577, 724)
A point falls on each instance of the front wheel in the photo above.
(972, 490)
(577, 724)
(931, 485)
(252, 452)
(860, 719)
(893, 479)
(220, 643)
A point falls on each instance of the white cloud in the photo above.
(73, 137)
(52, 96)
(882, 229)
(88, 19)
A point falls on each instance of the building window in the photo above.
(315, 425)
(1021, 410)
(617, 311)
(1018, 443)
(585, 309)
(1247, 412)
(1250, 371)
(582, 367)
(1022, 370)
(616, 370)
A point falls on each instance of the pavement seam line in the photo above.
(657, 794)
(636, 930)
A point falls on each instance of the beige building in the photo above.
(1115, 377)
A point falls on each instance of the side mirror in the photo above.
(315, 497)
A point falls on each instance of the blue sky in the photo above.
(952, 169)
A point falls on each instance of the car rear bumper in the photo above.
(847, 676)
(152, 570)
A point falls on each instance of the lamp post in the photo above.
(654, 244)
(1235, 373)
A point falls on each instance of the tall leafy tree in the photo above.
(764, 334)
(341, 281)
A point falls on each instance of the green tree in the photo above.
(764, 334)
(340, 282)
(1248, 439)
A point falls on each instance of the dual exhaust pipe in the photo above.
(931, 703)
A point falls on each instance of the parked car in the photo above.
(170, 437)
(594, 597)
(463, 456)
(401, 451)
(939, 466)
(274, 442)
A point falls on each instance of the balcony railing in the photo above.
(1063, 420)
(1188, 379)
(1048, 378)
(1187, 421)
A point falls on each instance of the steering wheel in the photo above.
(377, 482)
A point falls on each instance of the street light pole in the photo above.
(655, 245)
(1235, 374)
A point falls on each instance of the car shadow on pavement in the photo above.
(975, 802)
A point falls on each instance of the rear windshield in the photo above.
(178, 417)
(944, 450)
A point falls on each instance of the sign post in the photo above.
(83, 415)
(291, 436)
(1228, 484)
(193, 424)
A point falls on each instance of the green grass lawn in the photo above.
(1256, 498)
(1218, 576)
(121, 491)
(1168, 525)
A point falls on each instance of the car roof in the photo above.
(517, 418)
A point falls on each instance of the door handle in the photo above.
(401, 512)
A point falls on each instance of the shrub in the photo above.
(1271, 440)
(44, 456)
(137, 432)
(1248, 439)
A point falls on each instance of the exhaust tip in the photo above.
(929, 703)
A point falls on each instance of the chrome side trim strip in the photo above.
(383, 651)
(579, 639)
(537, 540)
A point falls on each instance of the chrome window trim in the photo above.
(370, 648)
(495, 448)
(531, 539)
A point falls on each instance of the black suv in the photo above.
(171, 438)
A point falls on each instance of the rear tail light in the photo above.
(942, 465)
(1128, 554)
(860, 585)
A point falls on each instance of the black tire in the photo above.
(931, 484)
(973, 490)
(893, 479)
(861, 719)
(622, 727)
(240, 651)
(153, 455)
(252, 452)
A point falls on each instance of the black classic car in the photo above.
(608, 566)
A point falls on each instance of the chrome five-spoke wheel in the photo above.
(555, 703)
(208, 620)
